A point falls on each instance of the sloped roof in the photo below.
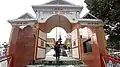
(57, 4)
(26, 16)
(62, 2)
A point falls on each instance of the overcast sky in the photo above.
(12, 9)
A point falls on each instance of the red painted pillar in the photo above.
(22, 46)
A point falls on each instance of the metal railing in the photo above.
(110, 61)
(6, 61)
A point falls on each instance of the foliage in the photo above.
(5, 45)
(109, 12)
(47, 45)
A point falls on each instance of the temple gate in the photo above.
(29, 34)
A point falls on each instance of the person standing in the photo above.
(57, 51)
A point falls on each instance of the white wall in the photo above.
(40, 53)
(74, 38)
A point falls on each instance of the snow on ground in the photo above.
(50, 53)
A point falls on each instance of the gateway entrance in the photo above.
(57, 21)
(29, 36)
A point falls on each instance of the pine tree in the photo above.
(109, 12)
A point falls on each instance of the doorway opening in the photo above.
(54, 35)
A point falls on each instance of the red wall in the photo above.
(22, 46)
(92, 59)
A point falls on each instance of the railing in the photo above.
(110, 61)
(6, 61)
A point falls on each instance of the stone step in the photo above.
(82, 65)
(62, 61)
(45, 62)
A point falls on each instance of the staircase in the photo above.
(63, 62)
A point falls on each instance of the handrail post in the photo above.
(9, 59)
(11, 62)
(102, 61)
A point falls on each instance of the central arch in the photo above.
(58, 21)
(48, 25)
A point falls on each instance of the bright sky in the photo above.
(12, 9)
